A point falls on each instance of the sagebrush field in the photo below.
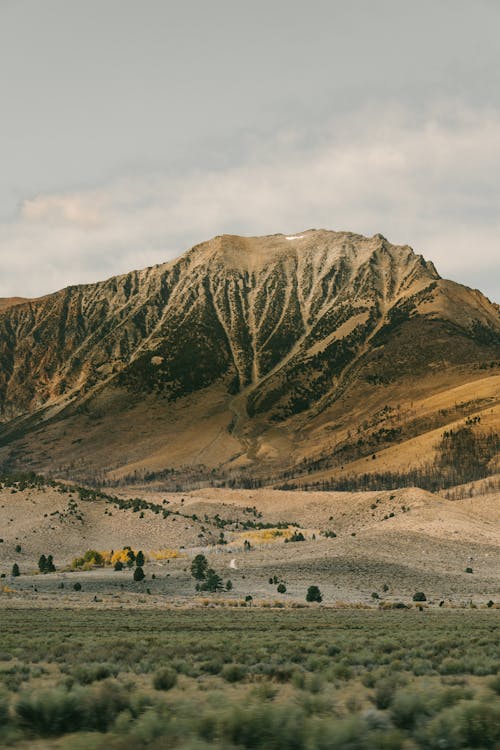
(290, 679)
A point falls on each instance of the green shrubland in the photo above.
(307, 679)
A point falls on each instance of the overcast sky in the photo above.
(131, 130)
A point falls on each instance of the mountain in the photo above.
(248, 358)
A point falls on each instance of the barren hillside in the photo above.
(355, 544)
(268, 360)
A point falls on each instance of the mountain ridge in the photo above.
(276, 329)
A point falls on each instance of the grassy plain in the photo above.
(310, 678)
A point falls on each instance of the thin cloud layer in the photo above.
(431, 183)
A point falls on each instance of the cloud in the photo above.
(62, 209)
(431, 182)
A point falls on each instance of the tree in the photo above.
(199, 567)
(118, 565)
(419, 596)
(42, 563)
(314, 594)
(229, 585)
(297, 536)
(212, 582)
(130, 556)
(281, 588)
(138, 574)
(15, 570)
(139, 560)
(50, 567)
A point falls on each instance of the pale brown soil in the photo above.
(425, 546)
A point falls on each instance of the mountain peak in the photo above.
(258, 337)
(310, 246)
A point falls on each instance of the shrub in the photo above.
(342, 734)
(4, 710)
(495, 684)
(87, 673)
(264, 726)
(102, 705)
(467, 725)
(49, 713)
(297, 536)
(384, 692)
(77, 586)
(91, 558)
(233, 672)
(164, 679)
(314, 594)
(407, 707)
(281, 588)
(419, 596)
(214, 666)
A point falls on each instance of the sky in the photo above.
(130, 131)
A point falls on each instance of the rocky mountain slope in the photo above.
(266, 357)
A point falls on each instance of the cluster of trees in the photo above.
(462, 455)
(297, 536)
(279, 583)
(132, 559)
(90, 559)
(206, 578)
(46, 564)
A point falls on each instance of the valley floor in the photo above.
(309, 679)
(361, 549)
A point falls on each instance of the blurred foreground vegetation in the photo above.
(310, 679)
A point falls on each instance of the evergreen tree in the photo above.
(199, 567)
(212, 582)
(130, 556)
(314, 594)
(138, 574)
(139, 560)
(15, 570)
(42, 563)
(50, 567)
(118, 565)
